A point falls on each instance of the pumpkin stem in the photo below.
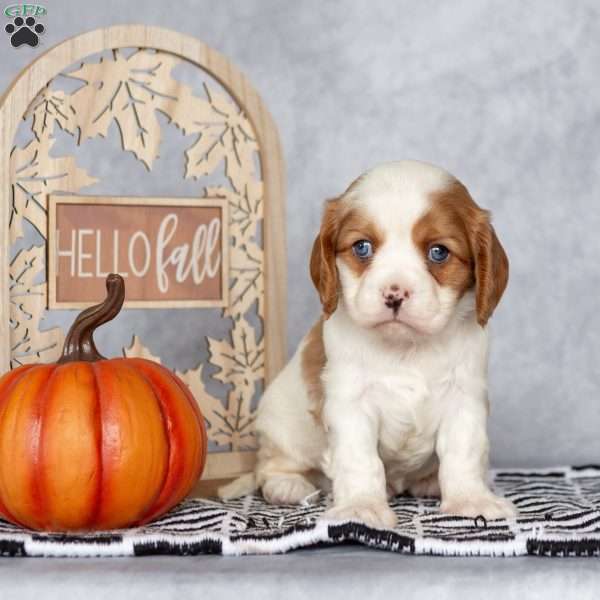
(79, 343)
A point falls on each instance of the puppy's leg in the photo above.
(425, 487)
(395, 477)
(282, 478)
(462, 449)
(359, 486)
(291, 440)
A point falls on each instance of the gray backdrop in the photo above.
(504, 94)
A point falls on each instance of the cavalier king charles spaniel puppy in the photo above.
(387, 393)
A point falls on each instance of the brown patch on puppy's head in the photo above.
(356, 226)
(341, 227)
(443, 225)
(476, 255)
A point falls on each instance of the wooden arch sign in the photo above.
(222, 248)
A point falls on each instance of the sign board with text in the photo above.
(172, 252)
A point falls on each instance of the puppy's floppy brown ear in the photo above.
(323, 270)
(490, 263)
(491, 268)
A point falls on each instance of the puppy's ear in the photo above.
(489, 261)
(490, 266)
(323, 270)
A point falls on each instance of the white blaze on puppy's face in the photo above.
(402, 247)
(392, 200)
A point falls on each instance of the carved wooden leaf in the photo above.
(245, 208)
(212, 408)
(50, 107)
(35, 174)
(192, 113)
(240, 362)
(225, 135)
(240, 420)
(27, 304)
(246, 279)
(231, 425)
(138, 350)
(128, 91)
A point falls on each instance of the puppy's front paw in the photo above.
(372, 513)
(288, 489)
(485, 505)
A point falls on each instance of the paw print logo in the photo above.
(24, 31)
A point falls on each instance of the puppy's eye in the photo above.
(438, 253)
(363, 249)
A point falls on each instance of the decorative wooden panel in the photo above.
(123, 76)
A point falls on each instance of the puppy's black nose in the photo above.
(393, 296)
(393, 302)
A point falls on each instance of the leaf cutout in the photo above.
(27, 305)
(239, 421)
(246, 279)
(128, 91)
(229, 425)
(212, 408)
(225, 135)
(50, 107)
(240, 362)
(191, 113)
(138, 350)
(35, 174)
(245, 208)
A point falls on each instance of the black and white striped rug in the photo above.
(559, 515)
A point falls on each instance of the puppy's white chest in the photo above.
(408, 416)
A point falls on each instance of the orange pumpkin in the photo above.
(90, 443)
